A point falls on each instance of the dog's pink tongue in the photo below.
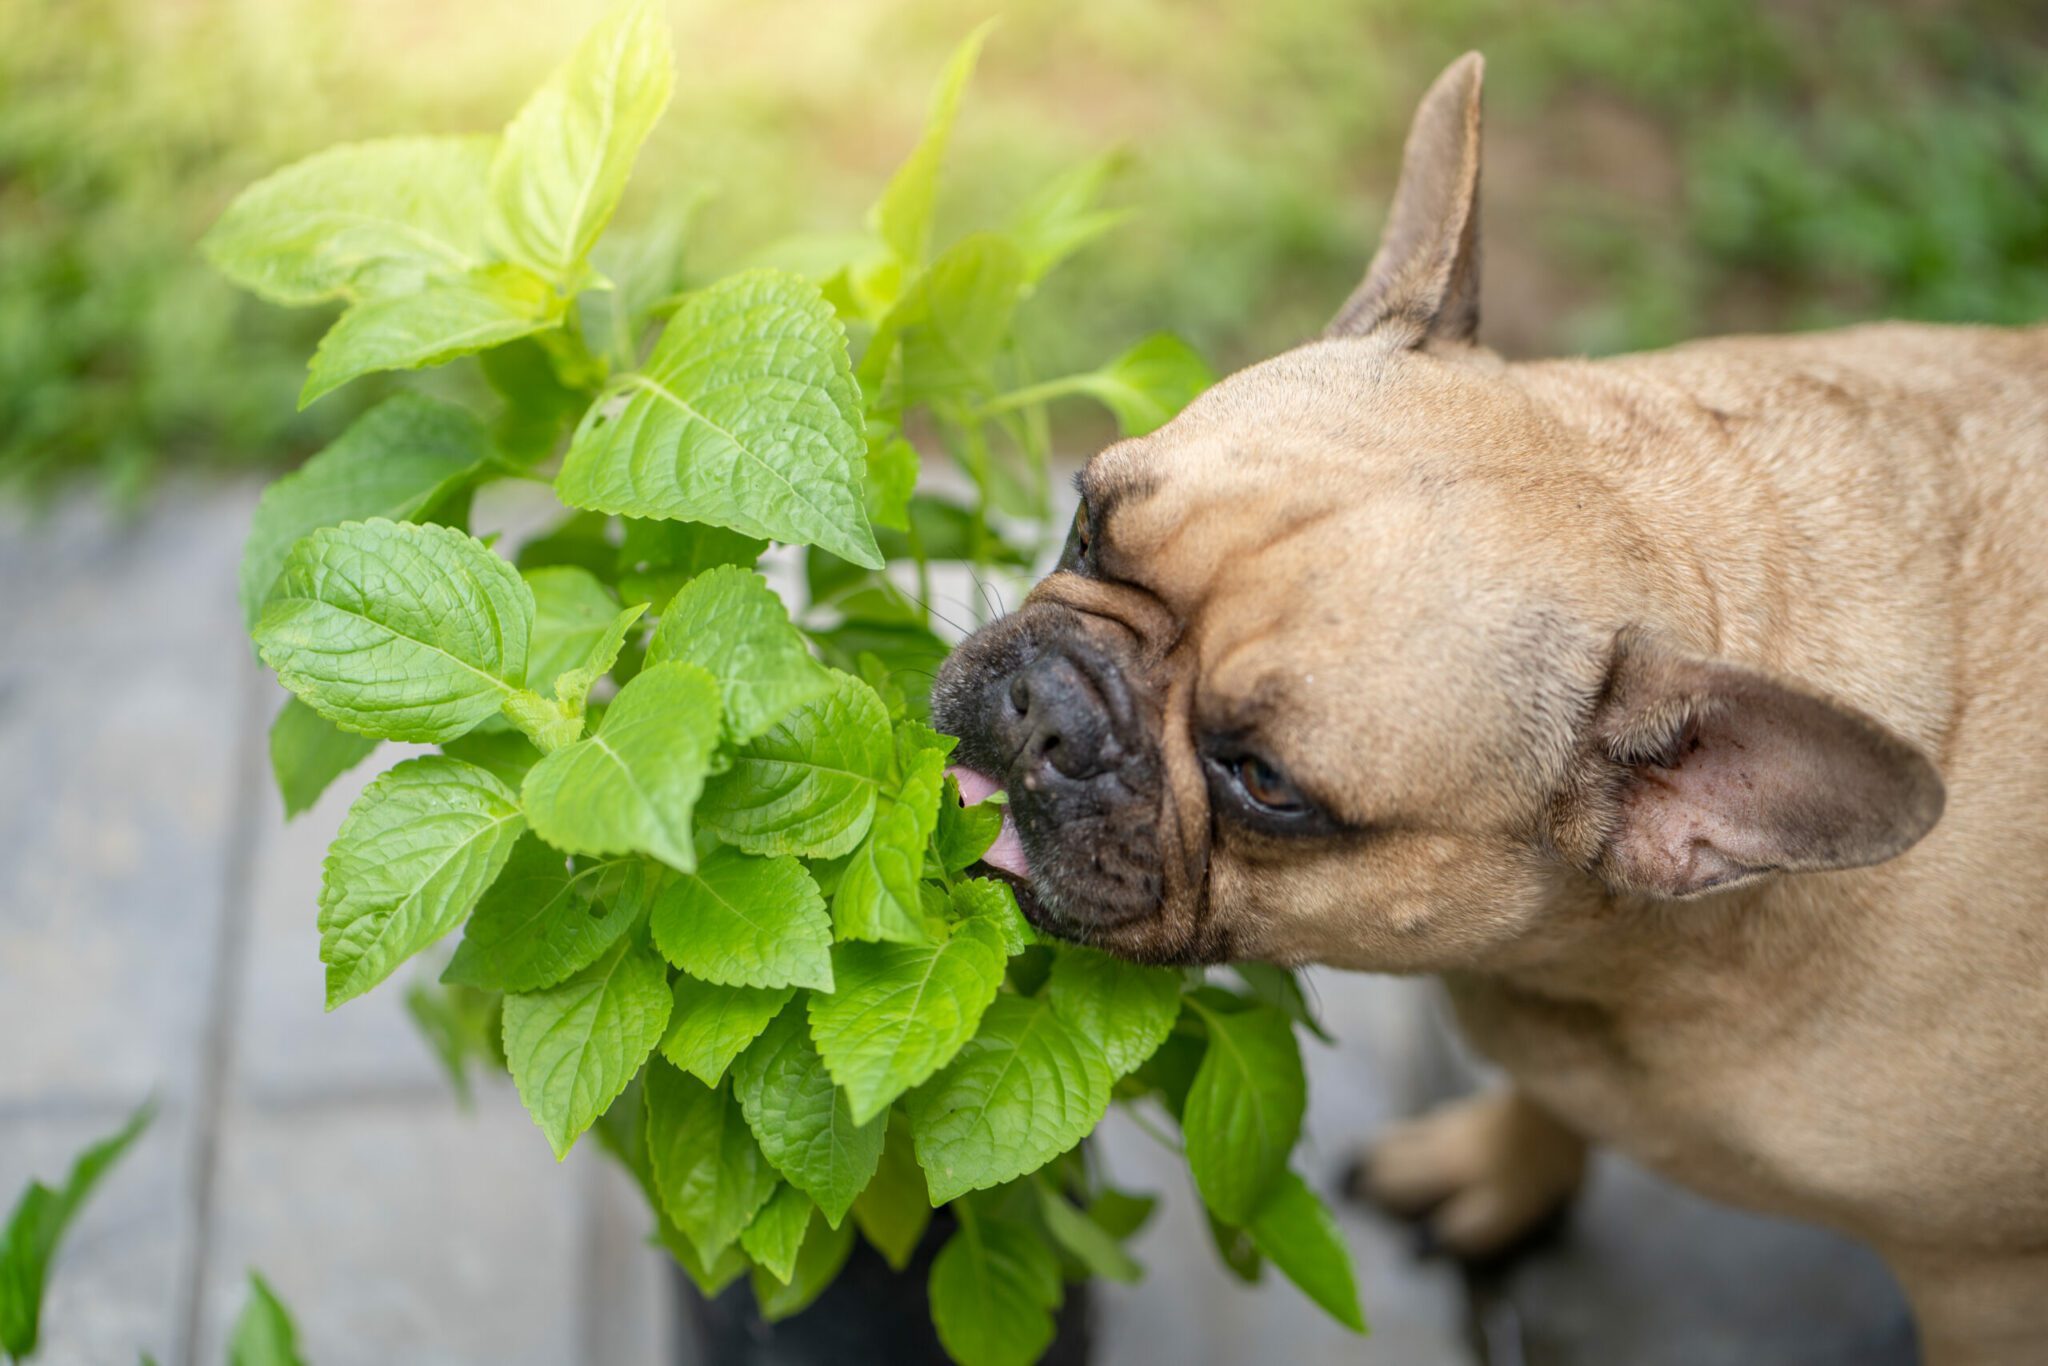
(1007, 853)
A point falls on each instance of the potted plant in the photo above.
(719, 898)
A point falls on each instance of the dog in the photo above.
(1686, 712)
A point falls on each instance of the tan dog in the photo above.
(1622, 694)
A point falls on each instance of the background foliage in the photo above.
(1655, 170)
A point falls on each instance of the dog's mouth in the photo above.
(1007, 854)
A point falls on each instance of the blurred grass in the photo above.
(1655, 170)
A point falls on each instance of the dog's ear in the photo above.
(1710, 774)
(1425, 276)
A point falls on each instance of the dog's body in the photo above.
(1616, 693)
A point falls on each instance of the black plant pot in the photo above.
(870, 1314)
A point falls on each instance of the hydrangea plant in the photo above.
(719, 898)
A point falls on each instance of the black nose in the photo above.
(1057, 722)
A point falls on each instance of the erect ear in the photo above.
(1716, 774)
(1425, 276)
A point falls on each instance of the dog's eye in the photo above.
(1264, 784)
(1074, 559)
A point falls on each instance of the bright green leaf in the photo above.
(994, 1287)
(1299, 1235)
(892, 478)
(801, 1118)
(574, 1047)
(36, 1227)
(777, 1233)
(951, 321)
(731, 623)
(543, 921)
(572, 610)
(901, 1011)
(399, 631)
(1244, 1110)
(1127, 1008)
(817, 1265)
(308, 752)
(414, 853)
(964, 833)
(1022, 1091)
(441, 320)
(708, 1170)
(746, 416)
(360, 221)
(709, 1276)
(658, 558)
(808, 784)
(264, 1335)
(400, 461)
(565, 156)
(1149, 383)
(630, 788)
(743, 921)
(893, 1210)
(1061, 218)
(1089, 1242)
(877, 896)
(711, 1025)
(902, 217)
(995, 902)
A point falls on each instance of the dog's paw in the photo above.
(1481, 1173)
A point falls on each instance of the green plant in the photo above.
(718, 885)
(37, 1226)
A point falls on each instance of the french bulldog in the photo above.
(1687, 712)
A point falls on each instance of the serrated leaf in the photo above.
(709, 1276)
(708, 1170)
(818, 1263)
(399, 461)
(1089, 1242)
(572, 611)
(432, 325)
(37, 1226)
(565, 157)
(877, 897)
(901, 1011)
(711, 1025)
(730, 622)
(746, 416)
(994, 1286)
(505, 753)
(902, 217)
(1244, 1110)
(808, 784)
(777, 1233)
(308, 752)
(363, 220)
(398, 631)
(1128, 1009)
(1281, 988)
(574, 1047)
(1298, 1234)
(1060, 219)
(744, 921)
(415, 852)
(951, 321)
(264, 1335)
(893, 1210)
(631, 787)
(802, 1119)
(964, 833)
(1022, 1091)
(543, 921)
(1149, 383)
(995, 902)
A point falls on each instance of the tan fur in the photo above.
(1412, 571)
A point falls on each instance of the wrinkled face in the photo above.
(1307, 679)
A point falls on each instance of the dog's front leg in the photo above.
(1482, 1171)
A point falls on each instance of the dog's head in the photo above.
(1340, 665)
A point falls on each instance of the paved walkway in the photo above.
(157, 937)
